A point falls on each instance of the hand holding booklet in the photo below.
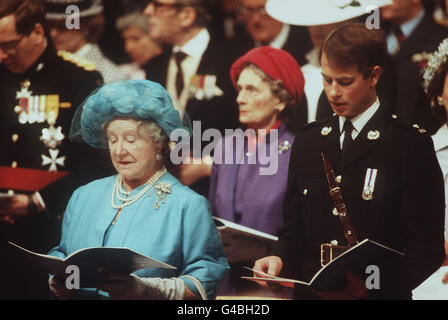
(94, 263)
(331, 277)
(242, 243)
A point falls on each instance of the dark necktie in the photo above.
(347, 129)
(179, 57)
(399, 35)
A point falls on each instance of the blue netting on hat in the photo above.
(139, 99)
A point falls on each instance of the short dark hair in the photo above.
(353, 43)
(26, 12)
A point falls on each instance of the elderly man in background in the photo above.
(195, 69)
(412, 35)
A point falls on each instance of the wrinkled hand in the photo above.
(13, 208)
(121, 286)
(272, 265)
(355, 289)
(58, 288)
(238, 249)
(131, 287)
(445, 278)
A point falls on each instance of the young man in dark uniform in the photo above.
(400, 206)
(40, 91)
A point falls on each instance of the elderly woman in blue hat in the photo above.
(143, 207)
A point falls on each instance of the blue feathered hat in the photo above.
(139, 99)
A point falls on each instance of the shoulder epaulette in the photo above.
(79, 61)
(407, 125)
(314, 123)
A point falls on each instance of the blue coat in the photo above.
(168, 234)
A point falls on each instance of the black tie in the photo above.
(399, 35)
(179, 57)
(347, 129)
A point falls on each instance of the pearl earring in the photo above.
(158, 156)
(440, 101)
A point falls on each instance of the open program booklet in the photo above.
(236, 229)
(332, 277)
(93, 263)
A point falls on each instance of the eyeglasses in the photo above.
(245, 11)
(10, 47)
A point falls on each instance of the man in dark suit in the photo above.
(40, 92)
(412, 35)
(194, 69)
(204, 66)
(401, 206)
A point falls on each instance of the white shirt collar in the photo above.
(440, 138)
(281, 38)
(196, 46)
(361, 119)
(313, 57)
(408, 27)
(84, 50)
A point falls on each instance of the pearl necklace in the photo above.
(117, 189)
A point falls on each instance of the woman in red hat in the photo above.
(250, 168)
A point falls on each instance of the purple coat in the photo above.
(240, 193)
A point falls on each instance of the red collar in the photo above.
(252, 139)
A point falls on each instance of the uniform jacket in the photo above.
(406, 212)
(50, 74)
(21, 143)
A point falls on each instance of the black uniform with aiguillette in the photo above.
(392, 188)
(37, 108)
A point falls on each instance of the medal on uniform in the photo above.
(369, 184)
(53, 160)
(23, 96)
(325, 131)
(283, 147)
(203, 86)
(52, 137)
(36, 108)
(39, 109)
(373, 135)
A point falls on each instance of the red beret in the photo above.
(276, 63)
